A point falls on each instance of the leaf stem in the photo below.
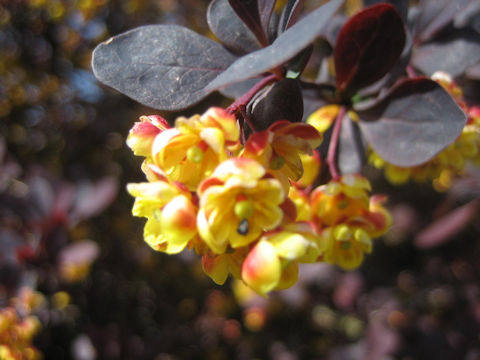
(332, 148)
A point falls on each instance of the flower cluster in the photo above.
(452, 160)
(16, 333)
(249, 208)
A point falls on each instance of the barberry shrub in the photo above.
(274, 180)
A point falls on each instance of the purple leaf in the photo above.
(285, 47)
(412, 123)
(351, 147)
(247, 10)
(91, 199)
(229, 28)
(435, 15)
(467, 13)
(162, 66)
(368, 46)
(473, 72)
(445, 228)
(454, 54)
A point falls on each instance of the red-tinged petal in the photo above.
(179, 223)
(157, 121)
(278, 125)
(218, 117)
(262, 269)
(305, 132)
(216, 267)
(258, 142)
(208, 182)
(215, 139)
(289, 210)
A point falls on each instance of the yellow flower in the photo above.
(237, 203)
(143, 133)
(347, 220)
(323, 118)
(16, 334)
(302, 203)
(218, 267)
(279, 149)
(190, 152)
(272, 264)
(171, 216)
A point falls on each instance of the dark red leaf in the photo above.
(265, 8)
(367, 47)
(247, 10)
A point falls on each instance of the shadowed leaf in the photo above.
(351, 147)
(281, 101)
(290, 14)
(445, 228)
(236, 90)
(415, 121)
(473, 72)
(286, 46)
(467, 13)
(400, 5)
(453, 54)
(247, 10)
(265, 8)
(162, 66)
(367, 47)
(229, 28)
(435, 15)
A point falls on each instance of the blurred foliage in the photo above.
(106, 295)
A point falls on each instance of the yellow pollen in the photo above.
(195, 154)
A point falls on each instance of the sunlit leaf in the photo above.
(161, 66)
(229, 28)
